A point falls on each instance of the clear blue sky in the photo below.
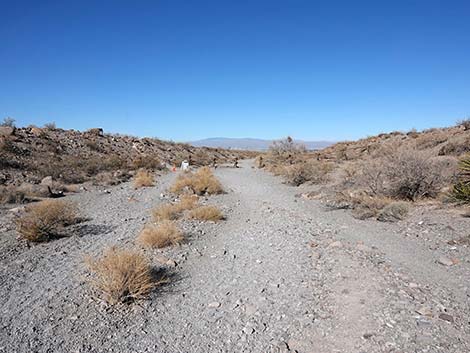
(186, 70)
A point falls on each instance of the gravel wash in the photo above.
(280, 274)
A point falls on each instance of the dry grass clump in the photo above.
(46, 219)
(161, 235)
(200, 183)
(206, 213)
(173, 211)
(143, 178)
(121, 276)
(166, 212)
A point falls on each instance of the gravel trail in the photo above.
(281, 274)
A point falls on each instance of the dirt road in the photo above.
(280, 274)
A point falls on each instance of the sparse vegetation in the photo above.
(143, 178)
(166, 212)
(163, 234)
(45, 220)
(311, 171)
(206, 213)
(121, 276)
(200, 183)
(465, 123)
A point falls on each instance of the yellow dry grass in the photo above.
(44, 220)
(200, 183)
(206, 213)
(161, 235)
(143, 178)
(121, 276)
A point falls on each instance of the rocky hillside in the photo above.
(72, 157)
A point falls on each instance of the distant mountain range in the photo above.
(252, 144)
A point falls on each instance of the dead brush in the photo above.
(161, 235)
(206, 213)
(121, 276)
(200, 183)
(45, 220)
(143, 178)
(173, 211)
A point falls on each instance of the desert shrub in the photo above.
(456, 147)
(187, 202)
(143, 178)
(394, 211)
(311, 171)
(461, 189)
(166, 212)
(206, 213)
(206, 183)
(93, 145)
(285, 150)
(413, 175)
(45, 220)
(407, 175)
(174, 211)
(121, 276)
(200, 183)
(163, 234)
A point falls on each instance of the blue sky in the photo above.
(185, 70)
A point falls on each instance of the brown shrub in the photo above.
(368, 207)
(200, 183)
(164, 234)
(121, 276)
(143, 178)
(46, 219)
(465, 123)
(187, 202)
(311, 171)
(407, 175)
(206, 213)
(166, 212)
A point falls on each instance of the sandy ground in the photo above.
(281, 274)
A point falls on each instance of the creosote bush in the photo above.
(200, 183)
(143, 178)
(206, 213)
(406, 175)
(45, 220)
(163, 234)
(311, 171)
(121, 276)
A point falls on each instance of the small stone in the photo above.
(446, 317)
(367, 335)
(445, 261)
(425, 311)
(47, 181)
(171, 263)
(336, 244)
(214, 305)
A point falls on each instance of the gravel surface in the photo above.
(281, 274)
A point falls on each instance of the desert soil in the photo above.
(281, 274)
